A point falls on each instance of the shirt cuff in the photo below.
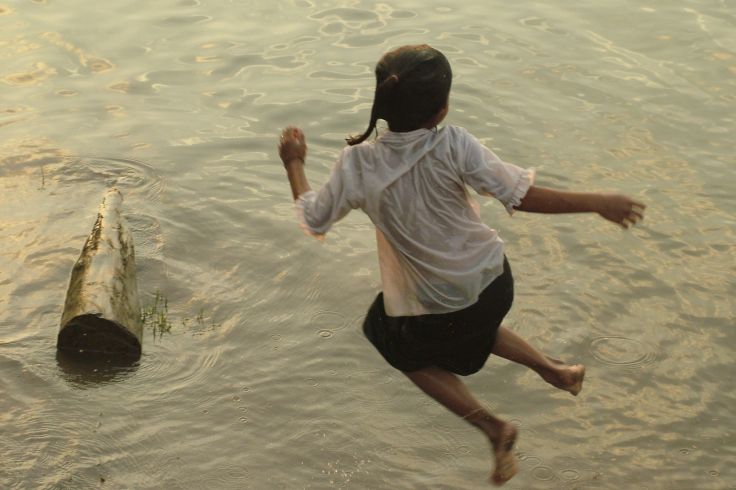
(526, 180)
(305, 199)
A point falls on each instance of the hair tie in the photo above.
(390, 81)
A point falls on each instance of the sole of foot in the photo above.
(503, 452)
(579, 375)
(569, 378)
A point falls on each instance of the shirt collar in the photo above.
(391, 136)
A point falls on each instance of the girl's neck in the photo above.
(432, 122)
(407, 130)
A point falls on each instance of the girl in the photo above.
(446, 282)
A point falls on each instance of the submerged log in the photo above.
(102, 314)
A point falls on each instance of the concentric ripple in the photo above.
(124, 173)
(622, 351)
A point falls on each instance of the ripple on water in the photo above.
(128, 175)
(543, 473)
(361, 27)
(192, 368)
(149, 241)
(346, 14)
(97, 65)
(528, 460)
(94, 63)
(183, 20)
(622, 351)
(328, 322)
(40, 72)
(570, 474)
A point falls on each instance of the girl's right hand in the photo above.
(621, 209)
(292, 145)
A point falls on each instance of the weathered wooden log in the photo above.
(102, 314)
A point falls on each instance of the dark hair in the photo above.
(412, 85)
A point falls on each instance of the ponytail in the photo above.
(381, 99)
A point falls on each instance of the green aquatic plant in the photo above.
(200, 323)
(156, 316)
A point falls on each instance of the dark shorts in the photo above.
(459, 341)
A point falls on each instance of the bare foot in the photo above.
(566, 377)
(577, 374)
(503, 446)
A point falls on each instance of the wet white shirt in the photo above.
(434, 252)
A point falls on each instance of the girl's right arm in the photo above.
(617, 208)
(317, 210)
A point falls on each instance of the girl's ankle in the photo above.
(484, 421)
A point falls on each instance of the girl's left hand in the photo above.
(621, 209)
(292, 145)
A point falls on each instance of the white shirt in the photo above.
(434, 252)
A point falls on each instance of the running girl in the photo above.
(446, 282)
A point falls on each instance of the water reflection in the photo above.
(40, 72)
(89, 370)
(93, 63)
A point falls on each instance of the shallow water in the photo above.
(257, 374)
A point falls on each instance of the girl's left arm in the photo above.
(617, 208)
(293, 152)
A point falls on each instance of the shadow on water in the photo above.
(93, 369)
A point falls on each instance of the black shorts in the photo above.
(459, 341)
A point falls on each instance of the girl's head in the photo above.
(412, 86)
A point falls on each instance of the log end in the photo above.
(92, 334)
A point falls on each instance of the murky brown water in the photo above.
(257, 375)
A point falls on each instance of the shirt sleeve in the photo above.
(488, 175)
(317, 211)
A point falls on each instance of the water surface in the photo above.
(258, 376)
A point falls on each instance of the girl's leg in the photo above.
(449, 390)
(511, 346)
